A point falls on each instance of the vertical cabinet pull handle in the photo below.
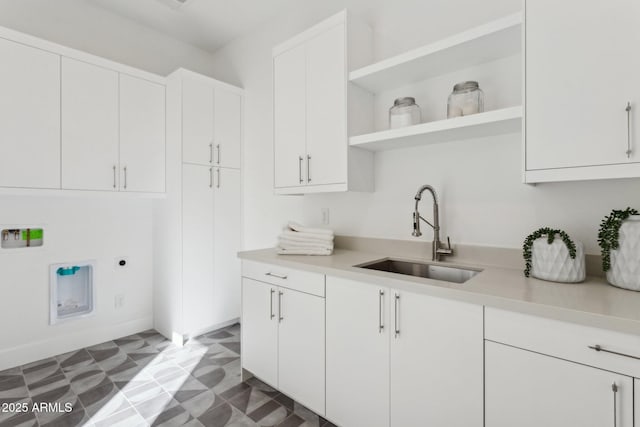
(211, 153)
(218, 173)
(114, 176)
(125, 177)
(210, 177)
(380, 302)
(614, 388)
(628, 110)
(308, 168)
(300, 169)
(397, 314)
(280, 316)
(218, 150)
(271, 315)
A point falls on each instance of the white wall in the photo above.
(80, 228)
(80, 25)
(77, 228)
(479, 181)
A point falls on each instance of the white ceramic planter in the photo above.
(552, 261)
(625, 261)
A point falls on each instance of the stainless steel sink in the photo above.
(421, 269)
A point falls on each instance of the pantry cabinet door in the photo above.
(326, 108)
(197, 248)
(260, 330)
(527, 389)
(580, 75)
(30, 117)
(227, 128)
(89, 127)
(226, 237)
(197, 122)
(301, 349)
(289, 70)
(142, 135)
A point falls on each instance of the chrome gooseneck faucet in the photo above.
(438, 251)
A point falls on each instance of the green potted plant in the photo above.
(550, 254)
(619, 240)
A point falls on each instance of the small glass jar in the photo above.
(467, 98)
(405, 112)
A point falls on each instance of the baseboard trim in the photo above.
(53, 346)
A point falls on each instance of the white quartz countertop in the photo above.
(591, 303)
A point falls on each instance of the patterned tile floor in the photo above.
(144, 380)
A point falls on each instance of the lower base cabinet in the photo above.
(528, 389)
(283, 340)
(402, 359)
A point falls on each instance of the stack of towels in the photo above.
(299, 240)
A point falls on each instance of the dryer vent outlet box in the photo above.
(72, 290)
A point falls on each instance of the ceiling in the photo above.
(207, 24)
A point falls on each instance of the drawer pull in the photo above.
(277, 276)
(599, 348)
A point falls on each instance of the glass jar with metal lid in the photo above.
(405, 112)
(467, 98)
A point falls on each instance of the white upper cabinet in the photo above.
(581, 74)
(311, 110)
(227, 129)
(197, 121)
(30, 111)
(89, 126)
(142, 135)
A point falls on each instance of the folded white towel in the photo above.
(302, 229)
(283, 251)
(306, 237)
(285, 243)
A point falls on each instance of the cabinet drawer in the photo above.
(565, 340)
(303, 281)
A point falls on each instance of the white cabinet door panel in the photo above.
(197, 250)
(579, 79)
(326, 108)
(197, 122)
(436, 362)
(227, 128)
(527, 389)
(226, 240)
(301, 361)
(357, 353)
(89, 126)
(142, 135)
(30, 117)
(290, 117)
(260, 330)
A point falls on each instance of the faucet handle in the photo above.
(447, 250)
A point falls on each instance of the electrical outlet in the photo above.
(118, 301)
(325, 216)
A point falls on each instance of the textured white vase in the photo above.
(552, 261)
(625, 261)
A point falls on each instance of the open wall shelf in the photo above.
(486, 43)
(497, 122)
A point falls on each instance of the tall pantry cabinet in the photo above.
(198, 225)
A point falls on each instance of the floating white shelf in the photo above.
(486, 43)
(497, 122)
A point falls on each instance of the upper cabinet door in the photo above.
(89, 126)
(326, 108)
(581, 71)
(142, 135)
(227, 128)
(30, 117)
(290, 117)
(197, 122)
